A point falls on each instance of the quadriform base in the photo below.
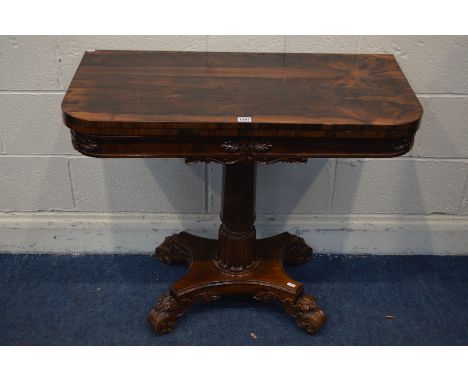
(237, 263)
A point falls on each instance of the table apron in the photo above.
(233, 150)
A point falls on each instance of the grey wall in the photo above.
(41, 172)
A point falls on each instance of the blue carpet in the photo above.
(104, 300)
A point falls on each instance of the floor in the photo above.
(103, 300)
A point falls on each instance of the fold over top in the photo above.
(142, 93)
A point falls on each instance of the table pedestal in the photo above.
(236, 263)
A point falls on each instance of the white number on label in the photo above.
(244, 119)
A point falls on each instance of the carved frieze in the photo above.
(248, 159)
(246, 147)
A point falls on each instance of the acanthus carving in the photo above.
(286, 160)
(305, 311)
(84, 143)
(207, 296)
(402, 144)
(296, 252)
(162, 318)
(246, 147)
(245, 159)
(307, 314)
(166, 303)
(246, 152)
(266, 296)
(172, 251)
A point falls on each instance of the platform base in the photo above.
(205, 281)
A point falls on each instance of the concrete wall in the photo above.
(54, 199)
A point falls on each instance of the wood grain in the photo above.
(186, 105)
(117, 91)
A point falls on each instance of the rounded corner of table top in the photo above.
(177, 104)
(69, 119)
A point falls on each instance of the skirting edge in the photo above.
(125, 233)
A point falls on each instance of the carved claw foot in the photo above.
(296, 252)
(172, 251)
(307, 314)
(162, 318)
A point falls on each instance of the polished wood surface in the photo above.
(182, 90)
(291, 107)
(129, 103)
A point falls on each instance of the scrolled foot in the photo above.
(162, 318)
(296, 252)
(311, 322)
(307, 314)
(161, 322)
(172, 251)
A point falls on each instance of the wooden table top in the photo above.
(270, 95)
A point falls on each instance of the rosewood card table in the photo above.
(239, 109)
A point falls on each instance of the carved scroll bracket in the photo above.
(84, 143)
(402, 144)
(240, 159)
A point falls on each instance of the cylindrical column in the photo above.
(236, 244)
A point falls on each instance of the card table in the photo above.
(239, 109)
